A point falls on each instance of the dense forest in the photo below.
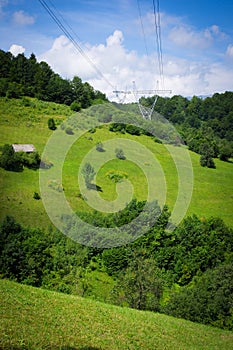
(22, 76)
(186, 272)
(206, 125)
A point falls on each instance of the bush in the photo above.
(99, 147)
(75, 106)
(10, 160)
(51, 124)
(116, 175)
(69, 131)
(36, 196)
(30, 160)
(133, 129)
(207, 161)
(117, 127)
(120, 153)
(46, 164)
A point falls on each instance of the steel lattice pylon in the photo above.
(146, 112)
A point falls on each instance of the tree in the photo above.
(208, 299)
(225, 151)
(51, 124)
(140, 284)
(88, 173)
(30, 160)
(206, 152)
(10, 160)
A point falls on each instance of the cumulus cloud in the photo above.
(185, 37)
(21, 18)
(115, 39)
(16, 49)
(120, 67)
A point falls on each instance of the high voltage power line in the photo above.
(71, 38)
(158, 39)
(66, 29)
(142, 26)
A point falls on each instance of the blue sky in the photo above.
(197, 42)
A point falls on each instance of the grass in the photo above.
(34, 318)
(25, 121)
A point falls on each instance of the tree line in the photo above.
(22, 76)
(186, 272)
(206, 125)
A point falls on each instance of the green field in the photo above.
(34, 318)
(25, 121)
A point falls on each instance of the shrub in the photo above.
(120, 153)
(30, 160)
(75, 106)
(51, 124)
(99, 147)
(116, 175)
(69, 131)
(10, 160)
(46, 164)
(133, 129)
(207, 161)
(117, 127)
(36, 196)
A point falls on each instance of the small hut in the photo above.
(27, 148)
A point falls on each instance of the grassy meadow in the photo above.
(25, 121)
(34, 318)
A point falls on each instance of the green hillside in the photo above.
(26, 121)
(34, 318)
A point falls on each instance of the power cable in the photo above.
(158, 39)
(142, 27)
(71, 38)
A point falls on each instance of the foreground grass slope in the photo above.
(32, 318)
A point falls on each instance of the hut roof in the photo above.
(28, 148)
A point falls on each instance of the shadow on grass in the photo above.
(95, 187)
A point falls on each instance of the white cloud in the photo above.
(16, 49)
(115, 39)
(185, 37)
(21, 18)
(120, 67)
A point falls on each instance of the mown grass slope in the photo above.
(34, 318)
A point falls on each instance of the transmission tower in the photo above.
(146, 112)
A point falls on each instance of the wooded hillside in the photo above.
(21, 76)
